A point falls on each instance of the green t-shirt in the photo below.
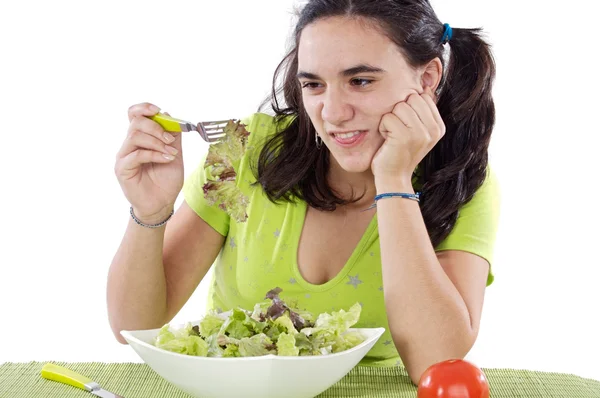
(261, 253)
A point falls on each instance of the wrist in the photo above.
(393, 184)
(154, 218)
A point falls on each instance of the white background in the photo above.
(70, 70)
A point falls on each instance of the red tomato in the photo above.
(454, 378)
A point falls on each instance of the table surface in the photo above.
(138, 380)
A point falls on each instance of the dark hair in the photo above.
(290, 165)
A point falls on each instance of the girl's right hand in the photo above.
(149, 165)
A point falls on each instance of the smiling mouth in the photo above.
(348, 137)
(346, 134)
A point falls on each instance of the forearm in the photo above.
(428, 318)
(136, 290)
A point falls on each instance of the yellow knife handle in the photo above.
(66, 376)
(168, 123)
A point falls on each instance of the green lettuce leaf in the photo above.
(305, 346)
(346, 341)
(260, 311)
(273, 327)
(328, 334)
(273, 330)
(256, 345)
(228, 197)
(286, 345)
(214, 349)
(286, 323)
(183, 341)
(210, 324)
(231, 351)
(238, 330)
(221, 188)
(339, 321)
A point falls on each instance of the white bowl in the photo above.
(264, 376)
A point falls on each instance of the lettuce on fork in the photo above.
(272, 327)
(221, 188)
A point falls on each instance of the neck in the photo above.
(352, 185)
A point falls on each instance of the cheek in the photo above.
(311, 105)
(375, 105)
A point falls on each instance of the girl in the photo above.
(382, 104)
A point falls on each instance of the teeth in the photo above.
(348, 135)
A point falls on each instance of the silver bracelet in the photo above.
(149, 225)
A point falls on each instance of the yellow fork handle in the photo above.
(168, 123)
(66, 376)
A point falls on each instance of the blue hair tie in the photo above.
(447, 34)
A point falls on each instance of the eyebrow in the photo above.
(355, 70)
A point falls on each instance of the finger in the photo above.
(141, 127)
(408, 116)
(140, 140)
(390, 122)
(148, 126)
(137, 158)
(435, 112)
(420, 106)
(143, 109)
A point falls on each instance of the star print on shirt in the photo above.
(246, 259)
(232, 242)
(354, 281)
(292, 281)
(277, 233)
(387, 342)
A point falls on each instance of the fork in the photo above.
(61, 374)
(210, 132)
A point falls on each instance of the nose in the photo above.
(335, 108)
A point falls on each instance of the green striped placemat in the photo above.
(136, 380)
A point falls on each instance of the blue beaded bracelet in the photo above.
(416, 197)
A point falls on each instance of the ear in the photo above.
(431, 74)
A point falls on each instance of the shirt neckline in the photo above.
(300, 210)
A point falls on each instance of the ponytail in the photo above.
(456, 167)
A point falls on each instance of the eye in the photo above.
(361, 82)
(310, 85)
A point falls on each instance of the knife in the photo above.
(67, 376)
